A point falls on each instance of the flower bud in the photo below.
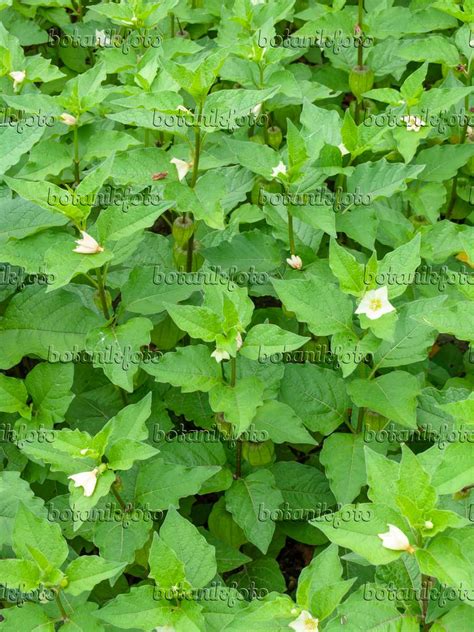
(275, 136)
(361, 80)
(258, 453)
(183, 228)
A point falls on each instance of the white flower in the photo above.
(429, 524)
(255, 2)
(470, 132)
(305, 623)
(238, 340)
(68, 119)
(86, 480)
(295, 262)
(343, 149)
(220, 354)
(181, 108)
(471, 43)
(165, 628)
(280, 168)
(375, 304)
(182, 167)
(84, 451)
(395, 540)
(414, 123)
(18, 77)
(256, 110)
(101, 38)
(87, 245)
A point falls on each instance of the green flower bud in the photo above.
(275, 136)
(361, 80)
(258, 453)
(183, 228)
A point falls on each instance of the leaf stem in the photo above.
(102, 295)
(77, 171)
(63, 612)
(452, 199)
(291, 235)
(197, 155)
(123, 505)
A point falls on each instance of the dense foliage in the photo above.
(236, 307)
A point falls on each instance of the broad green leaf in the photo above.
(238, 403)
(392, 395)
(41, 324)
(87, 571)
(246, 498)
(318, 396)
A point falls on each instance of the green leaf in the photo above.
(31, 531)
(320, 304)
(14, 145)
(190, 547)
(381, 179)
(348, 271)
(392, 395)
(13, 395)
(191, 368)
(116, 349)
(245, 499)
(43, 324)
(21, 574)
(343, 459)
(238, 403)
(318, 396)
(87, 571)
(267, 339)
(320, 585)
(356, 527)
(159, 484)
(50, 388)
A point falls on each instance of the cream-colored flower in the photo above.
(101, 38)
(470, 133)
(414, 123)
(305, 623)
(84, 451)
(279, 169)
(238, 340)
(375, 304)
(181, 108)
(395, 540)
(220, 354)
(68, 119)
(295, 262)
(429, 524)
(86, 480)
(343, 149)
(256, 110)
(182, 167)
(87, 245)
(18, 77)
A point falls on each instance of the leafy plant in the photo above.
(236, 315)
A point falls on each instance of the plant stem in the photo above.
(102, 294)
(77, 173)
(233, 371)
(291, 236)
(360, 52)
(360, 420)
(123, 505)
(63, 612)
(238, 462)
(452, 200)
(172, 27)
(197, 155)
